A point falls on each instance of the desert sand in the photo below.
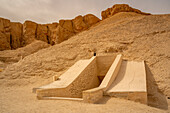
(136, 36)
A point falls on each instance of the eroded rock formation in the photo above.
(68, 28)
(16, 35)
(41, 33)
(51, 35)
(120, 8)
(79, 24)
(29, 32)
(5, 29)
(90, 19)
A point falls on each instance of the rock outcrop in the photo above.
(52, 33)
(5, 29)
(29, 32)
(79, 24)
(90, 19)
(68, 28)
(120, 8)
(16, 35)
(41, 33)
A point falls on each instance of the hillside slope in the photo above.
(137, 37)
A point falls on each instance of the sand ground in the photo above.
(20, 99)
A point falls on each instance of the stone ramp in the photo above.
(121, 78)
(81, 76)
(69, 76)
(130, 82)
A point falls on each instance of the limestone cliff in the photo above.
(5, 29)
(15, 35)
(120, 8)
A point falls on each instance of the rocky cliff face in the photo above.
(5, 29)
(14, 35)
(68, 28)
(120, 8)
(29, 32)
(51, 34)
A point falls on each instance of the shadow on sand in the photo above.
(155, 97)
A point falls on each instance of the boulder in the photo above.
(78, 24)
(5, 29)
(120, 8)
(90, 19)
(29, 32)
(16, 35)
(41, 33)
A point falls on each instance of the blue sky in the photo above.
(47, 11)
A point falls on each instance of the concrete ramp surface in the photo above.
(81, 76)
(130, 82)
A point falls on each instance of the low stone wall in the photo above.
(93, 95)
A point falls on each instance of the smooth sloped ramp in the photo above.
(130, 82)
(81, 76)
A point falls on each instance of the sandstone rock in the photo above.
(64, 31)
(5, 34)
(52, 34)
(90, 19)
(66, 24)
(41, 33)
(78, 24)
(16, 35)
(22, 35)
(62, 34)
(29, 32)
(68, 28)
(120, 8)
(106, 13)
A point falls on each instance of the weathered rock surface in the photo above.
(16, 35)
(68, 28)
(41, 33)
(79, 24)
(66, 24)
(29, 32)
(62, 34)
(52, 33)
(5, 34)
(120, 8)
(12, 56)
(90, 19)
